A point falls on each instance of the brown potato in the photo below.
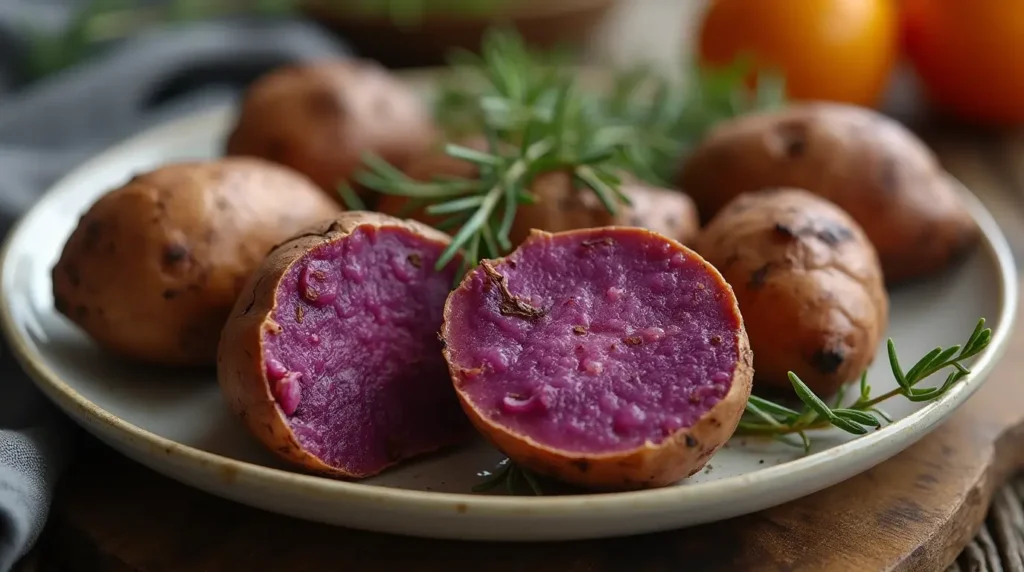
(561, 205)
(154, 267)
(868, 164)
(319, 118)
(809, 286)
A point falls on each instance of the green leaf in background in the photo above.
(101, 21)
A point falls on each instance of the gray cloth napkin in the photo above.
(47, 128)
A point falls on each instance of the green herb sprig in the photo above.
(766, 418)
(536, 120)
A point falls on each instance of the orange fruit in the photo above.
(836, 50)
(968, 56)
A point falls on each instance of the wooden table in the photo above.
(916, 511)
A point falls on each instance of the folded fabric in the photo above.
(47, 128)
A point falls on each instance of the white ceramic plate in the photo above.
(180, 426)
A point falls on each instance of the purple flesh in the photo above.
(636, 341)
(357, 366)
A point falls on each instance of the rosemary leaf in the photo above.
(914, 374)
(773, 408)
(456, 205)
(856, 416)
(894, 363)
(809, 398)
(350, 198)
(471, 155)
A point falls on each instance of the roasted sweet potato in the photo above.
(319, 118)
(153, 268)
(611, 358)
(331, 358)
(868, 164)
(809, 285)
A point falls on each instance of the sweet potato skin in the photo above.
(241, 370)
(809, 284)
(319, 118)
(871, 166)
(680, 455)
(153, 268)
(562, 205)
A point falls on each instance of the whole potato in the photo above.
(154, 267)
(319, 118)
(808, 282)
(561, 203)
(868, 164)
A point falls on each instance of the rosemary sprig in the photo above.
(536, 120)
(766, 418)
(769, 419)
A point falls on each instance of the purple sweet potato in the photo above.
(613, 358)
(331, 355)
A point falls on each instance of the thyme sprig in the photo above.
(767, 418)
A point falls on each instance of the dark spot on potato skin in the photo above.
(791, 138)
(174, 253)
(827, 361)
(170, 294)
(784, 231)
(716, 340)
(74, 278)
(690, 441)
(93, 233)
(759, 276)
(582, 464)
(833, 233)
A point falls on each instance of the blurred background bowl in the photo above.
(542, 23)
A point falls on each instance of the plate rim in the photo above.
(86, 412)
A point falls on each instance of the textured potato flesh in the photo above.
(636, 340)
(356, 364)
